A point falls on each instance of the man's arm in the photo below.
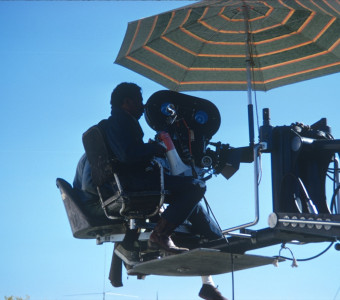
(125, 138)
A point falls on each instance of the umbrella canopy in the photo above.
(232, 44)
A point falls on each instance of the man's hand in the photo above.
(160, 148)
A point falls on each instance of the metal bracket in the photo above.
(257, 149)
(113, 238)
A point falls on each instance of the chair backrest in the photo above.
(97, 153)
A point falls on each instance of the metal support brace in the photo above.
(114, 238)
(257, 149)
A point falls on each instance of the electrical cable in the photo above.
(337, 292)
(259, 175)
(104, 277)
(336, 189)
(232, 277)
(310, 258)
(329, 176)
(212, 213)
(231, 255)
(333, 205)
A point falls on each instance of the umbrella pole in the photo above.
(248, 69)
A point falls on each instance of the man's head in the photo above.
(128, 96)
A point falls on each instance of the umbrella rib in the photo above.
(184, 74)
(148, 67)
(302, 72)
(319, 7)
(331, 7)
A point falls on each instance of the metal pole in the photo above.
(248, 70)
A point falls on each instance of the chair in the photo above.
(118, 202)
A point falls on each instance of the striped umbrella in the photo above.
(235, 44)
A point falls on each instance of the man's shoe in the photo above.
(162, 242)
(160, 238)
(209, 292)
(129, 257)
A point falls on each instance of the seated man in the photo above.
(125, 139)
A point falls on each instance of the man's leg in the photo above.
(186, 192)
(126, 250)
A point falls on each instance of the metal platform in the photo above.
(200, 262)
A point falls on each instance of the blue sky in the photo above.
(56, 76)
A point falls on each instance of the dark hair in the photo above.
(122, 91)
